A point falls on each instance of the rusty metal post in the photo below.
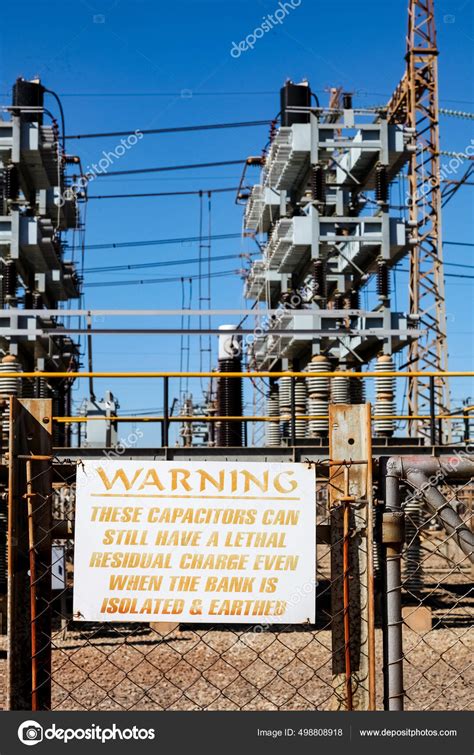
(350, 451)
(29, 538)
(370, 568)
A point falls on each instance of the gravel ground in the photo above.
(223, 670)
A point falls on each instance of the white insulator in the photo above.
(318, 407)
(384, 396)
(318, 395)
(272, 434)
(300, 392)
(10, 386)
(285, 392)
(316, 384)
(384, 410)
(340, 390)
(272, 429)
(300, 429)
(318, 389)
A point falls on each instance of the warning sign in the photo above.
(195, 542)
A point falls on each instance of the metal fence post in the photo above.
(350, 450)
(392, 538)
(166, 422)
(29, 555)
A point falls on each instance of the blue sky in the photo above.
(128, 65)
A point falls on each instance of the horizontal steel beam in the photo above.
(309, 331)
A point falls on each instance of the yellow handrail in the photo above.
(261, 374)
(250, 418)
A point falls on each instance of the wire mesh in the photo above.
(160, 666)
(170, 666)
(437, 605)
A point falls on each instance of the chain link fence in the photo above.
(437, 604)
(126, 666)
(169, 666)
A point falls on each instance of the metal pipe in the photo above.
(394, 692)
(432, 412)
(424, 473)
(293, 411)
(89, 359)
(166, 419)
(213, 417)
(251, 374)
(438, 505)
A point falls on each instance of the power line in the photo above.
(157, 242)
(216, 237)
(457, 243)
(162, 263)
(162, 168)
(451, 189)
(195, 260)
(221, 274)
(189, 94)
(172, 129)
(446, 275)
(456, 113)
(103, 284)
(163, 193)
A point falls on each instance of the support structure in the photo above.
(415, 103)
(351, 557)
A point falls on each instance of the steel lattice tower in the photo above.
(415, 102)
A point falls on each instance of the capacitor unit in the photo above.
(318, 395)
(29, 94)
(347, 100)
(229, 390)
(272, 429)
(384, 396)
